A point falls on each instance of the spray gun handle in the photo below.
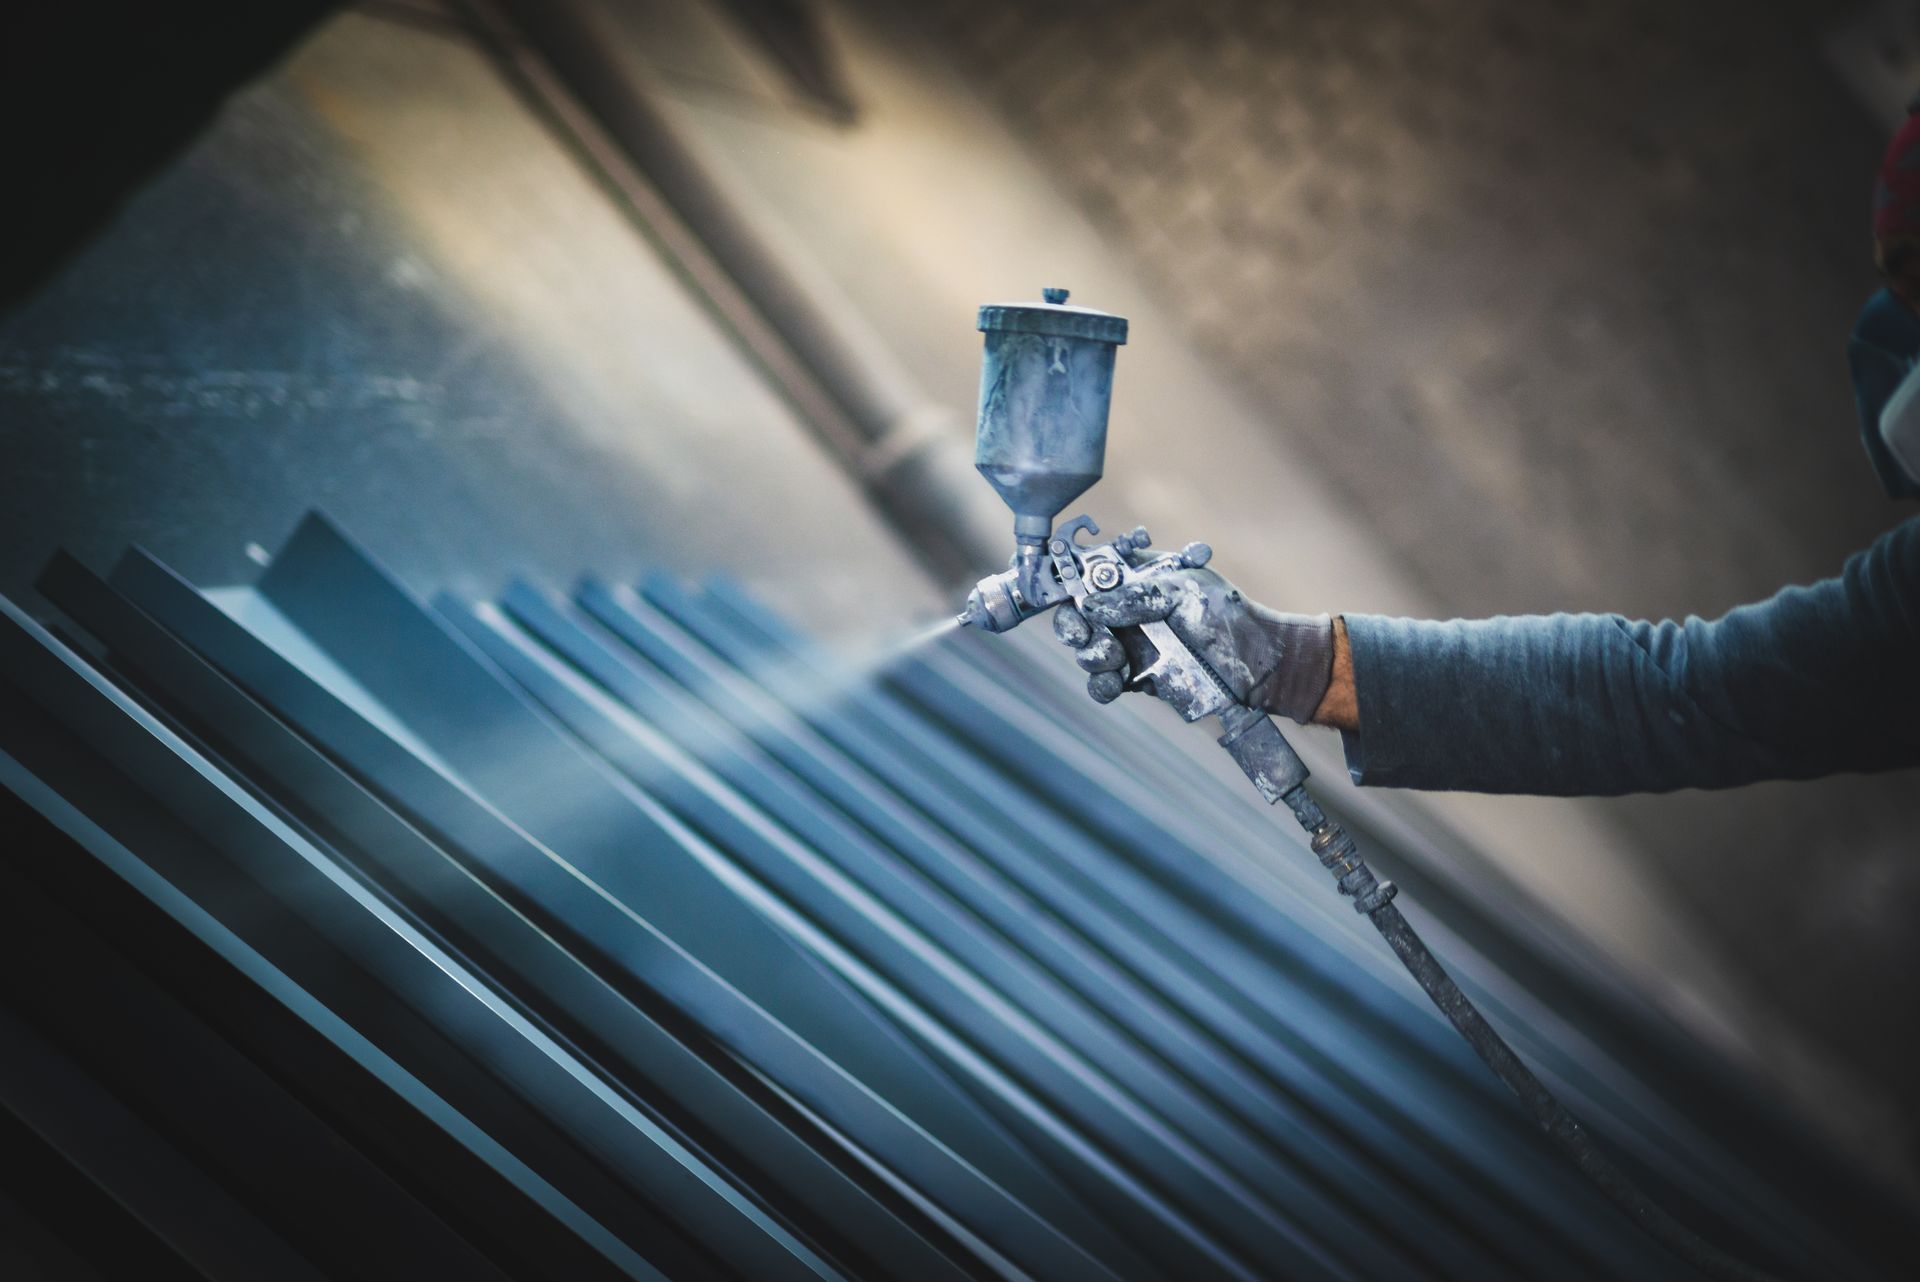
(1161, 660)
(1256, 745)
(1251, 737)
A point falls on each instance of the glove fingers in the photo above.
(1102, 654)
(1132, 604)
(1105, 687)
(1070, 627)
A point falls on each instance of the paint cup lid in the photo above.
(1054, 318)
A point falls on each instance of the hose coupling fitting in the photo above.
(1335, 848)
(1371, 901)
(1340, 855)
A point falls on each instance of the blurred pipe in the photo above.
(819, 352)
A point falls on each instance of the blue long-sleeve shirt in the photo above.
(1813, 681)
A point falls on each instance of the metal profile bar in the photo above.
(1348, 1035)
(1039, 755)
(1721, 1166)
(622, 946)
(1061, 1145)
(939, 998)
(814, 762)
(1135, 936)
(1037, 1031)
(950, 692)
(979, 709)
(511, 948)
(423, 1004)
(857, 860)
(1719, 1144)
(1405, 1132)
(977, 706)
(455, 699)
(1286, 1121)
(1059, 765)
(1286, 1126)
(158, 1212)
(320, 1058)
(893, 741)
(374, 630)
(976, 801)
(297, 1200)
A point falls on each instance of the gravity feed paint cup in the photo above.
(1046, 384)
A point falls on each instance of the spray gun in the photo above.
(1045, 388)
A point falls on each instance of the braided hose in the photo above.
(1341, 856)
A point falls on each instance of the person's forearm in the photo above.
(1815, 680)
(1558, 705)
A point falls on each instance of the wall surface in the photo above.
(381, 286)
(1554, 299)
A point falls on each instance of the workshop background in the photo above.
(1438, 308)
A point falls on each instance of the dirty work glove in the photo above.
(1280, 662)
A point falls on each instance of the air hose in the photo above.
(1340, 855)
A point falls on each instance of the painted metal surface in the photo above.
(693, 1093)
(683, 951)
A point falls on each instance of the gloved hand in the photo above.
(1280, 662)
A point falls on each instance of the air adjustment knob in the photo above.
(1195, 555)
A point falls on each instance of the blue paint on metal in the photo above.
(656, 907)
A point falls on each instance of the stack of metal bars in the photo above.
(625, 934)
